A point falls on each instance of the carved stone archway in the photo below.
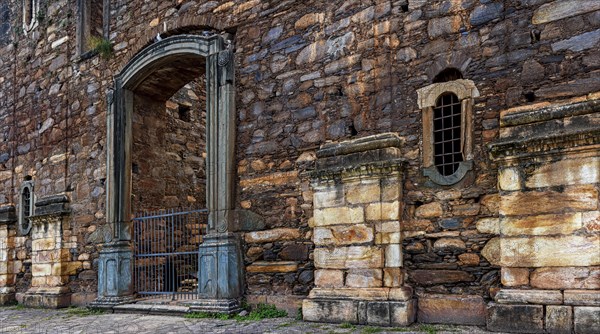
(220, 279)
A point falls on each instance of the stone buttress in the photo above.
(358, 248)
(549, 244)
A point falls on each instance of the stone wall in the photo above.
(307, 73)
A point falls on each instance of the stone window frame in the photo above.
(30, 13)
(466, 91)
(84, 25)
(23, 217)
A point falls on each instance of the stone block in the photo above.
(327, 278)
(324, 310)
(566, 278)
(449, 245)
(451, 309)
(277, 234)
(545, 251)
(545, 297)
(586, 320)
(573, 198)
(349, 257)
(468, 259)
(383, 211)
(542, 224)
(509, 179)
(582, 297)
(393, 256)
(331, 197)
(591, 221)
(403, 313)
(560, 9)
(364, 278)
(342, 235)
(363, 193)
(44, 269)
(559, 319)
(378, 313)
(442, 26)
(565, 172)
(272, 267)
(430, 210)
(515, 318)
(392, 277)
(514, 276)
(338, 216)
(434, 277)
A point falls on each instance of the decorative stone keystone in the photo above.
(7, 276)
(357, 194)
(50, 256)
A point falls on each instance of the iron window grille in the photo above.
(25, 208)
(447, 134)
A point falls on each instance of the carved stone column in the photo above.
(51, 257)
(358, 245)
(7, 275)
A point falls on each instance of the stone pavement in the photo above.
(67, 321)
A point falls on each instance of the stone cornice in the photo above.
(379, 141)
(546, 113)
(548, 144)
(367, 170)
(7, 214)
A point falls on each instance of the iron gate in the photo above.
(166, 253)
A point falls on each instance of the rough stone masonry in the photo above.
(316, 135)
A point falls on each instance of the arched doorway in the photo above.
(160, 71)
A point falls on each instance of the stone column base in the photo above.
(361, 306)
(7, 295)
(227, 306)
(54, 297)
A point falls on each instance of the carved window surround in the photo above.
(466, 92)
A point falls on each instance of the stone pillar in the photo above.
(7, 253)
(51, 257)
(358, 256)
(549, 244)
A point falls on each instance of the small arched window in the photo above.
(447, 134)
(447, 129)
(25, 207)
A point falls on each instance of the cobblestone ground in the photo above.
(25, 320)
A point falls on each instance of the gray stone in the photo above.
(272, 34)
(515, 318)
(486, 12)
(305, 113)
(587, 320)
(4, 157)
(578, 43)
(559, 319)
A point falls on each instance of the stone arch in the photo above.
(178, 57)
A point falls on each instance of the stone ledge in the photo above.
(545, 112)
(544, 297)
(392, 294)
(369, 143)
(364, 312)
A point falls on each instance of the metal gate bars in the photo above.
(166, 253)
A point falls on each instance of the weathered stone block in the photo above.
(392, 277)
(378, 313)
(403, 313)
(393, 256)
(566, 278)
(559, 319)
(323, 310)
(586, 319)
(449, 245)
(277, 234)
(363, 193)
(576, 198)
(430, 210)
(364, 278)
(331, 197)
(327, 278)
(560, 9)
(515, 318)
(383, 211)
(468, 259)
(550, 251)
(514, 276)
(451, 309)
(433, 277)
(566, 172)
(339, 216)
(342, 234)
(349, 257)
(272, 267)
(582, 297)
(545, 297)
(542, 224)
(488, 226)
